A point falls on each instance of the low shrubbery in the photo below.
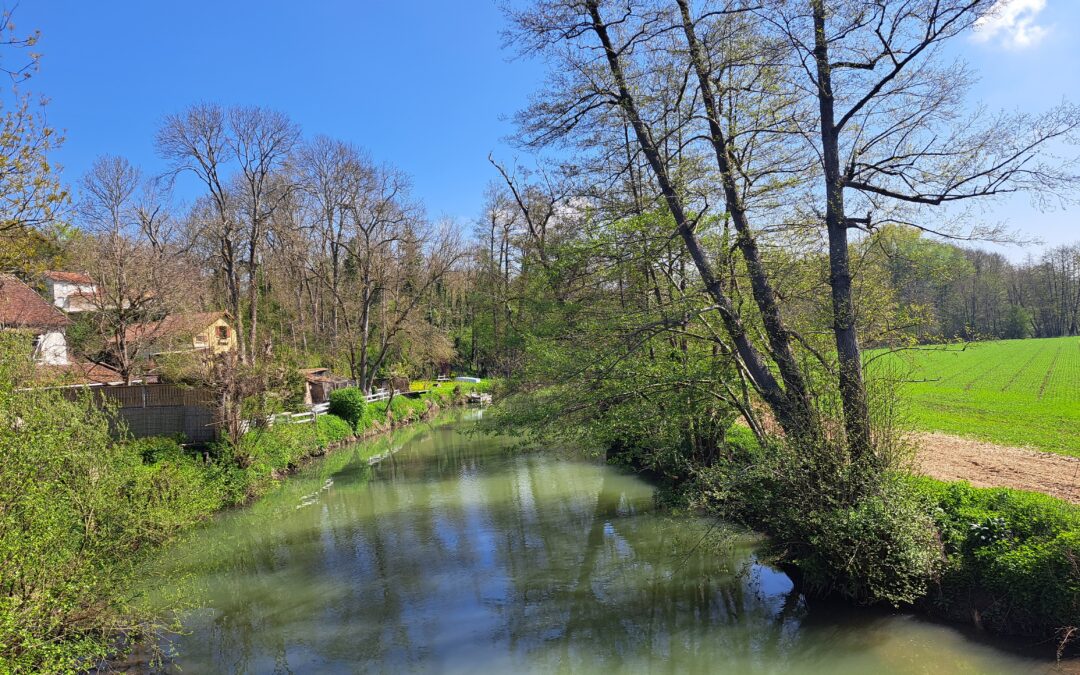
(865, 538)
(1009, 560)
(1013, 557)
(332, 429)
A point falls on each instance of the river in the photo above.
(458, 553)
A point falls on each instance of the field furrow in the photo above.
(1016, 392)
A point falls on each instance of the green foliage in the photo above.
(741, 443)
(348, 404)
(82, 335)
(333, 429)
(1017, 323)
(880, 549)
(157, 448)
(404, 409)
(77, 509)
(856, 534)
(1013, 557)
(982, 389)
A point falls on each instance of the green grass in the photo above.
(1015, 392)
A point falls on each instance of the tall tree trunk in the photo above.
(852, 387)
(253, 296)
(365, 332)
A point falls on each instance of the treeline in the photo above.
(969, 293)
(320, 255)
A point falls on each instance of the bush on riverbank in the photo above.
(863, 536)
(1006, 559)
(1013, 558)
(77, 510)
(348, 404)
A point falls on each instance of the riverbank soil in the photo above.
(983, 464)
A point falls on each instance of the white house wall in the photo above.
(52, 349)
(71, 297)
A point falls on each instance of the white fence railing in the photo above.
(311, 414)
(378, 395)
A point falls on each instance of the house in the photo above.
(208, 332)
(23, 309)
(72, 292)
(319, 382)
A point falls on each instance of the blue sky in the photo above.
(423, 85)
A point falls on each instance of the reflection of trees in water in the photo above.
(476, 552)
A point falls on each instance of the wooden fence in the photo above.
(155, 409)
(144, 395)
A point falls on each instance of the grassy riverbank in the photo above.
(80, 510)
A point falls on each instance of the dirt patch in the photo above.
(984, 464)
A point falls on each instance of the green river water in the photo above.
(459, 554)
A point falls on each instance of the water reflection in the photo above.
(458, 555)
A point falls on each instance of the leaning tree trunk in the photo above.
(792, 412)
(761, 286)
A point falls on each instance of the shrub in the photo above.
(867, 539)
(348, 404)
(157, 448)
(881, 549)
(333, 429)
(1013, 557)
(171, 495)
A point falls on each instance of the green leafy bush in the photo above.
(157, 448)
(881, 549)
(348, 404)
(867, 539)
(1013, 557)
(333, 429)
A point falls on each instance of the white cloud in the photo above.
(1012, 24)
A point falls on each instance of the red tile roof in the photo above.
(21, 307)
(69, 277)
(78, 373)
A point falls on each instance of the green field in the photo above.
(1015, 392)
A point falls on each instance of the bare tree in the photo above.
(332, 173)
(138, 280)
(207, 140)
(196, 141)
(261, 140)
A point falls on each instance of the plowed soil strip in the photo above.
(984, 464)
